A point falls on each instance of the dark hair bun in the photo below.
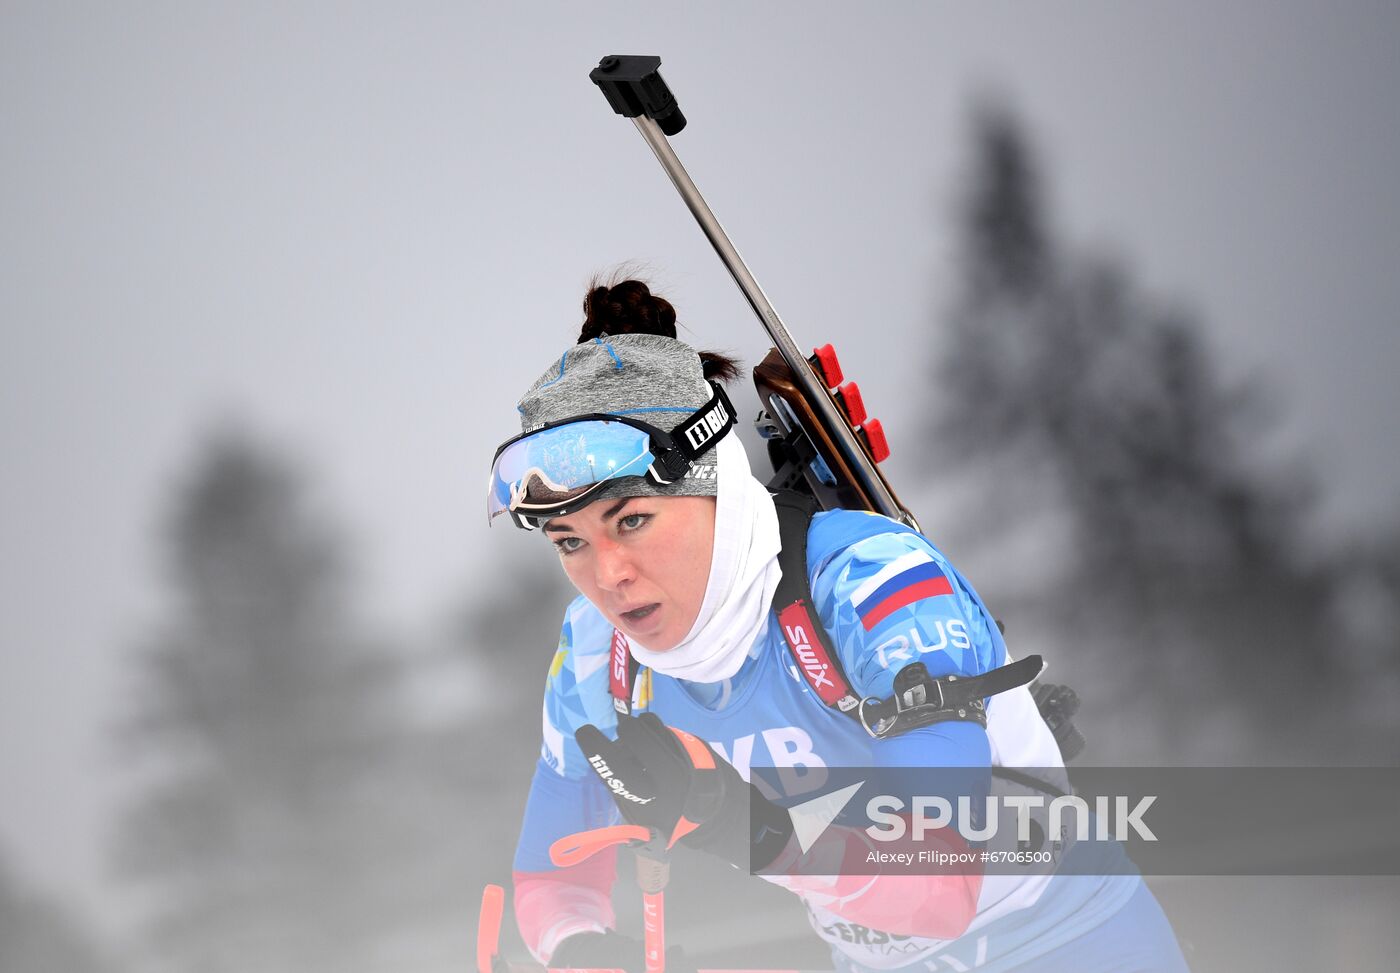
(627, 307)
(719, 367)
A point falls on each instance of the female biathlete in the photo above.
(674, 548)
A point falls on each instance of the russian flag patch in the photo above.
(898, 584)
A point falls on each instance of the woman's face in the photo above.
(642, 561)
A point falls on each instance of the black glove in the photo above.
(673, 782)
(611, 950)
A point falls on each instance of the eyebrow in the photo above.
(552, 528)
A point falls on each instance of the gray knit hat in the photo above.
(650, 377)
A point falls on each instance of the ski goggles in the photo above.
(557, 468)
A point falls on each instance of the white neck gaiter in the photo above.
(744, 573)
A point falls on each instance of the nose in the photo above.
(612, 566)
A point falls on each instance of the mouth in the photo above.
(641, 614)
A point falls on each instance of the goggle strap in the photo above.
(706, 425)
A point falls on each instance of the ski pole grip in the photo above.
(633, 86)
(653, 874)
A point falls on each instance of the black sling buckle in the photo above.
(921, 700)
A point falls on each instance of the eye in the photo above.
(567, 545)
(632, 521)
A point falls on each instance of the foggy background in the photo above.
(1120, 280)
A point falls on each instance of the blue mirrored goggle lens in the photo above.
(552, 466)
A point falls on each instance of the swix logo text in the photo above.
(812, 663)
(619, 658)
(614, 784)
(700, 431)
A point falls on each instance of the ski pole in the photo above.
(653, 872)
(634, 88)
(488, 938)
(488, 959)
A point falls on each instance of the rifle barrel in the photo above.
(846, 441)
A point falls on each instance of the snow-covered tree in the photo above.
(1170, 537)
(38, 935)
(270, 832)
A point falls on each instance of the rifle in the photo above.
(821, 441)
(820, 438)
